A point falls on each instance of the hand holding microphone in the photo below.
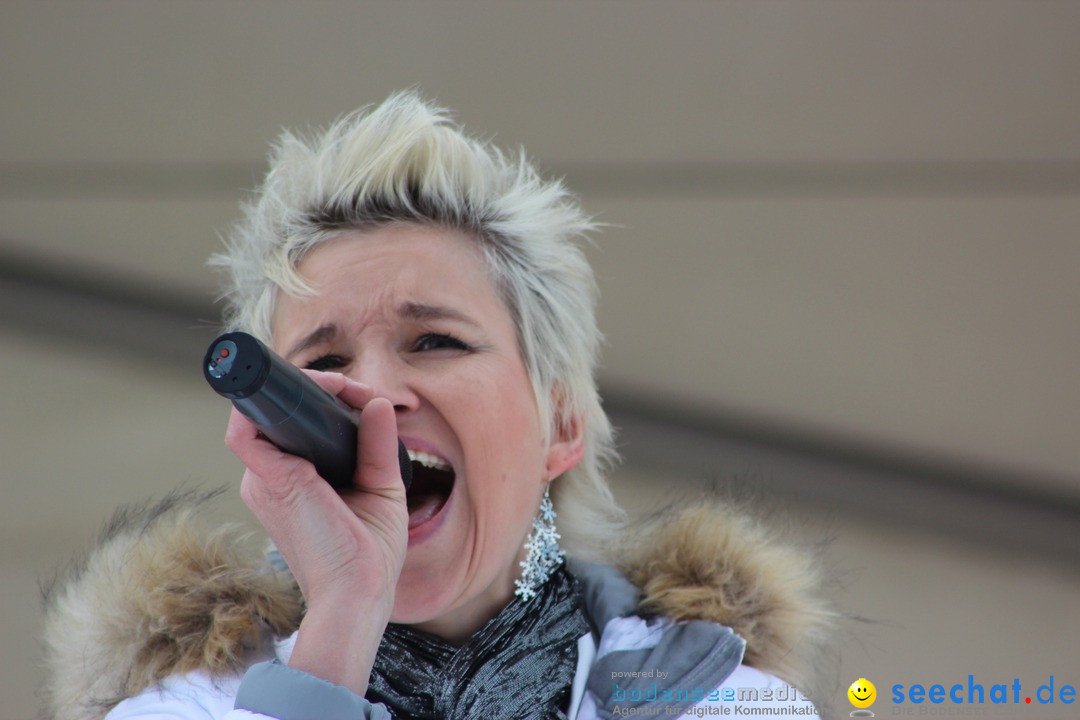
(345, 552)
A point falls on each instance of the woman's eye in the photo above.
(324, 363)
(436, 341)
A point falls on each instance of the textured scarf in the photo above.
(519, 665)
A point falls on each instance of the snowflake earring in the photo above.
(543, 551)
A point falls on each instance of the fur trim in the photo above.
(159, 595)
(710, 562)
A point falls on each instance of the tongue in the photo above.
(424, 507)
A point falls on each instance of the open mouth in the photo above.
(432, 483)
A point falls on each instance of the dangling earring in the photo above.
(544, 553)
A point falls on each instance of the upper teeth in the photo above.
(428, 460)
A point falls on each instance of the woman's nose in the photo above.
(387, 378)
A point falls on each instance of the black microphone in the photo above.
(290, 408)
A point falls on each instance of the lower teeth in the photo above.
(423, 508)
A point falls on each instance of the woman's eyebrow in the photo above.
(323, 333)
(413, 311)
(422, 312)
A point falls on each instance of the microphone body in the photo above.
(288, 407)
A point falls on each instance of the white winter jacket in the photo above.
(198, 696)
(169, 620)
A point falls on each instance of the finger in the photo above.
(266, 459)
(273, 466)
(351, 392)
(378, 469)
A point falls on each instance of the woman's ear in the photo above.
(567, 442)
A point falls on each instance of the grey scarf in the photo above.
(519, 665)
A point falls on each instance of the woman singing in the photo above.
(437, 285)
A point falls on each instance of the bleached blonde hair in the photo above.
(404, 161)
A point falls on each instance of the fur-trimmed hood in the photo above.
(162, 593)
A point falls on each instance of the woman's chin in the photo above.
(428, 584)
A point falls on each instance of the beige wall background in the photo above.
(841, 270)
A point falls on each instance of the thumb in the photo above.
(377, 466)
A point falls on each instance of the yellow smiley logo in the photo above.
(862, 693)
